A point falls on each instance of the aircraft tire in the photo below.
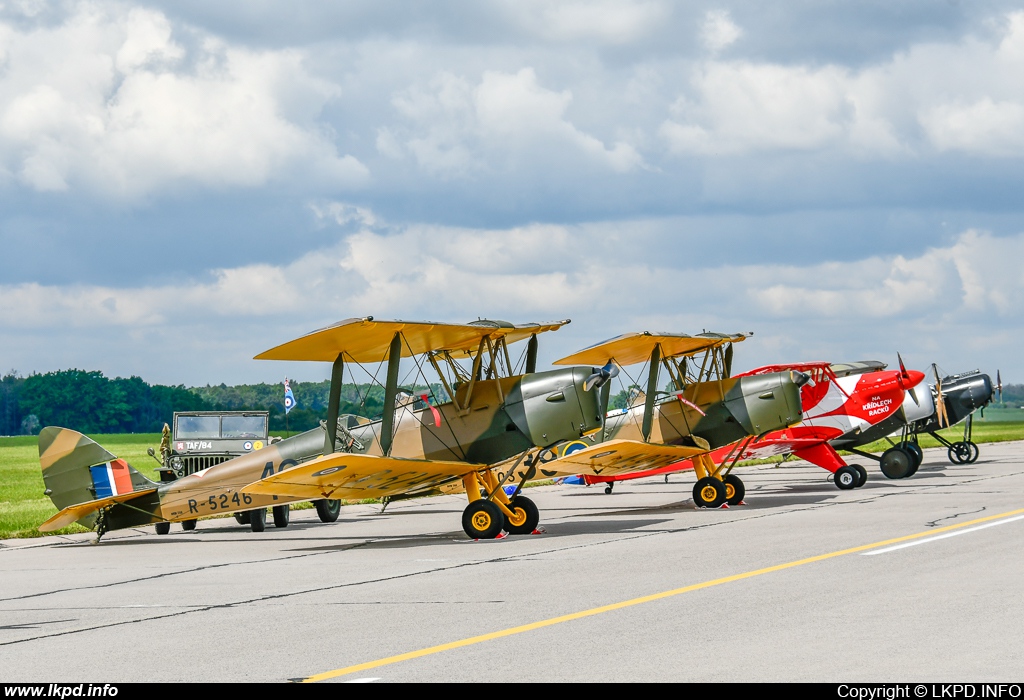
(862, 475)
(163, 528)
(242, 517)
(188, 525)
(282, 514)
(328, 509)
(708, 492)
(258, 519)
(975, 452)
(961, 452)
(734, 490)
(532, 516)
(914, 449)
(608, 489)
(482, 520)
(846, 478)
(896, 463)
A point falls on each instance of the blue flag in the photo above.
(289, 398)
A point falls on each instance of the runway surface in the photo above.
(911, 580)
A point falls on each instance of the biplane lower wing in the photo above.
(353, 476)
(620, 457)
(78, 511)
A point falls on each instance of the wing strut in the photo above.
(652, 386)
(387, 422)
(531, 355)
(333, 402)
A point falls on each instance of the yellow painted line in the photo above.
(469, 641)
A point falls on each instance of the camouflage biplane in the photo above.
(492, 411)
(704, 406)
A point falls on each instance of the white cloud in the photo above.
(457, 127)
(933, 97)
(719, 31)
(109, 101)
(609, 21)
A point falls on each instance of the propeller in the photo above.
(906, 375)
(601, 376)
(999, 386)
(940, 405)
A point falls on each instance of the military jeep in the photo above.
(203, 439)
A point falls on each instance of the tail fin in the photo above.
(77, 470)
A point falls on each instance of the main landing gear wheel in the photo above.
(734, 490)
(975, 452)
(242, 517)
(862, 475)
(282, 514)
(896, 463)
(163, 528)
(708, 492)
(188, 525)
(963, 452)
(527, 516)
(846, 478)
(914, 449)
(482, 520)
(328, 509)
(258, 519)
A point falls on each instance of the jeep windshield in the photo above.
(244, 427)
(197, 427)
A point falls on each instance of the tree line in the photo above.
(89, 402)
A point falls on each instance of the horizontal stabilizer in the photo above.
(620, 457)
(75, 513)
(344, 475)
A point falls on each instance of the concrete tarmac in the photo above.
(767, 591)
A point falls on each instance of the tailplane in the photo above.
(81, 477)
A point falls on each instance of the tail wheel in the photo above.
(188, 525)
(482, 520)
(734, 490)
(242, 517)
(862, 475)
(282, 514)
(846, 478)
(328, 509)
(258, 519)
(163, 528)
(708, 492)
(608, 488)
(527, 516)
(895, 463)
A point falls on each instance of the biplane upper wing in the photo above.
(346, 475)
(633, 348)
(619, 457)
(78, 511)
(367, 340)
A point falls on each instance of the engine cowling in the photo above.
(553, 406)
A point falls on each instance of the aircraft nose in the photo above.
(799, 378)
(911, 379)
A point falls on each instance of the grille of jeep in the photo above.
(192, 464)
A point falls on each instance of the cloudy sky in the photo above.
(184, 184)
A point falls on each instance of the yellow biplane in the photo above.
(702, 406)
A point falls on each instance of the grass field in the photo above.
(23, 507)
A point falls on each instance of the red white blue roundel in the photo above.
(289, 402)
